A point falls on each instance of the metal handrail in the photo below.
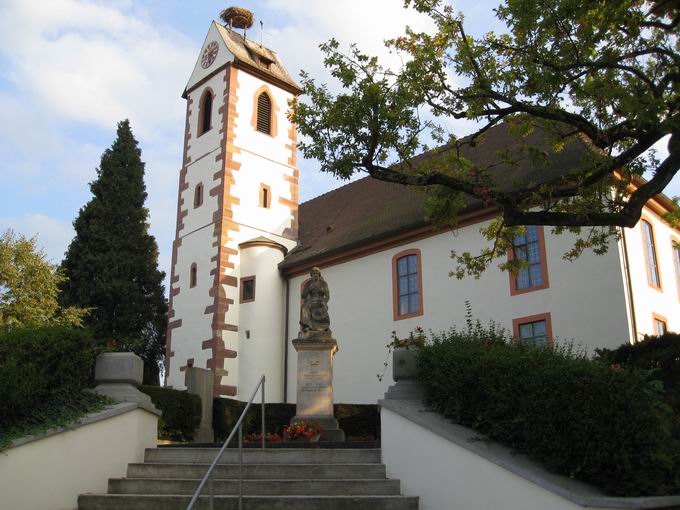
(239, 426)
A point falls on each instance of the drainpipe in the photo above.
(285, 346)
(629, 284)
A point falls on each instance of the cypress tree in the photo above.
(112, 263)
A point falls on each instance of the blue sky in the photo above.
(70, 69)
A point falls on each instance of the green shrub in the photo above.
(181, 412)
(660, 354)
(360, 421)
(226, 412)
(39, 367)
(577, 416)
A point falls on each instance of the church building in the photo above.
(244, 247)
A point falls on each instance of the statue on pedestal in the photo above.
(315, 347)
(314, 319)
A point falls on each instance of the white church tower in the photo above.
(236, 218)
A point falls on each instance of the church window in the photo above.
(535, 330)
(653, 277)
(676, 261)
(193, 275)
(205, 112)
(247, 289)
(660, 325)
(530, 247)
(198, 195)
(407, 284)
(265, 196)
(264, 113)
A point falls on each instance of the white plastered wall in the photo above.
(50, 473)
(264, 160)
(190, 304)
(446, 476)
(647, 299)
(197, 237)
(585, 298)
(262, 321)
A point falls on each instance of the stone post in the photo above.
(315, 386)
(118, 374)
(199, 381)
(404, 373)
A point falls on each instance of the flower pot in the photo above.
(404, 366)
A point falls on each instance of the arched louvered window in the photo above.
(205, 112)
(264, 113)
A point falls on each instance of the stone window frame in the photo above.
(514, 290)
(193, 275)
(265, 202)
(242, 288)
(675, 253)
(274, 108)
(198, 195)
(529, 319)
(396, 316)
(658, 318)
(646, 220)
(202, 111)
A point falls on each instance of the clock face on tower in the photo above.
(209, 54)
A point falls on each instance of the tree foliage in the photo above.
(606, 73)
(112, 263)
(29, 287)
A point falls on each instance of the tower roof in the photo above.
(256, 56)
(369, 210)
(248, 55)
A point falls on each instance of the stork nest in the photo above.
(237, 17)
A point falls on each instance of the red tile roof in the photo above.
(367, 210)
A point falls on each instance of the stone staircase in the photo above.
(277, 478)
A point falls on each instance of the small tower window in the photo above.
(265, 196)
(205, 112)
(198, 195)
(264, 113)
(247, 289)
(193, 275)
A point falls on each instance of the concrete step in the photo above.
(257, 487)
(259, 471)
(175, 502)
(285, 444)
(260, 456)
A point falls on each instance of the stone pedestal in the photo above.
(315, 385)
(199, 381)
(118, 374)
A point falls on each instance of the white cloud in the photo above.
(96, 64)
(366, 23)
(78, 67)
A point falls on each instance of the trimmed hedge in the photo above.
(358, 421)
(577, 416)
(181, 412)
(660, 354)
(43, 367)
